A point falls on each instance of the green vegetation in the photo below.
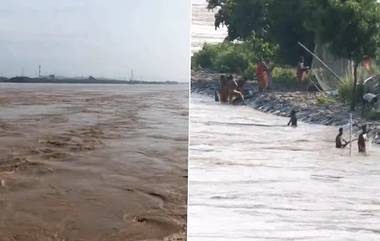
(284, 76)
(250, 72)
(345, 90)
(275, 21)
(373, 115)
(206, 57)
(325, 100)
(230, 59)
(241, 58)
(345, 94)
(273, 27)
(237, 57)
(350, 27)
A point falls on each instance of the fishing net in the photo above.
(338, 69)
(328, 80)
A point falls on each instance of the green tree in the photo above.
(350, 28)
(276, 21)
(242, 18)
(234, 56)
(287, 27)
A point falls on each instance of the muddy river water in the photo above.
(252, 178)
(93, 162)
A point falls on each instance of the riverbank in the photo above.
(310, 108)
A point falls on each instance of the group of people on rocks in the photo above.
(230, 89)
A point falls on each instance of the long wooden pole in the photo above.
(350, 134)
(317, 58)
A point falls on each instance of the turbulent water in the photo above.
(93, 162)
(252, 178)
(202, 28)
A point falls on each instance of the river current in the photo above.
(253, 178)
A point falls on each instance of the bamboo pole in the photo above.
(350, 134)
(317, 58)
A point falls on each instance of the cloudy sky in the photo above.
(96, 37)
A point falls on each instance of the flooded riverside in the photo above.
(93, 162)
(251, 177)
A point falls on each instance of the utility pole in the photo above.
(131, 77)
(39, 71)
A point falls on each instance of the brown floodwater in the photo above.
(93, 162)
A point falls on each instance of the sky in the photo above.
(96, 37)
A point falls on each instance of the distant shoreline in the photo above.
(27, 80)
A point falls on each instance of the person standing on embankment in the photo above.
(262, 75)
(269, 68)
(301, 70)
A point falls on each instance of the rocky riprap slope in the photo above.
(281, 102)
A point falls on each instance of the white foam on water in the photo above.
(203, 29)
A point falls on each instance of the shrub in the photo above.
(345, 90)
(234, 56)
(325, 100)
(205, 57)
(250, 72)
(284, 77)
(230, 60)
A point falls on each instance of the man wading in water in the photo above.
(293, 119)
(339, 140)
(362, 138)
